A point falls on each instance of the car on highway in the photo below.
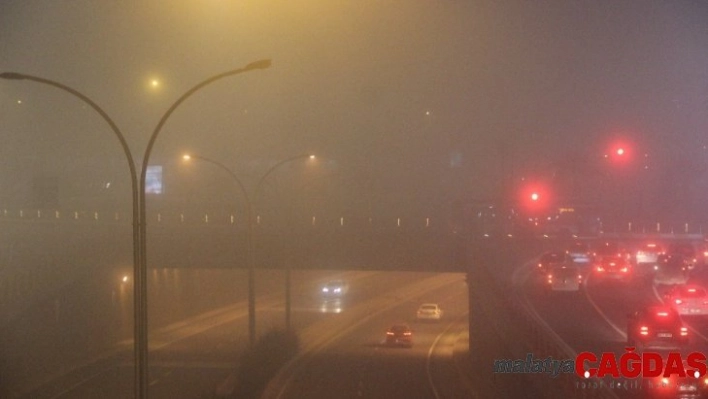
(335, 288)
(615, 267)
(670, 270)
(429, 311)
(687, 299)
(399, 335)
(580, 252)
(674, 386)
(564, 278)
(656, 326)
(648, 252)
(605, 248)
(685, 250)
(549, 259)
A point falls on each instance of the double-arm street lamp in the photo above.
(250, 252)
(139, 209)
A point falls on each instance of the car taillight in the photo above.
(644, 330)
(684, 331)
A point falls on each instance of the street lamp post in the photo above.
(249, 244)
(250, 257)
(139, 232)
(262, 64)
(288, 304)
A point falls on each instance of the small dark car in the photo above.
(656, 327)
(399, 335)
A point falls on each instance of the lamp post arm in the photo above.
(139, 345)
(235, 178)
(262, 64)
(82, 97)
(274, 167)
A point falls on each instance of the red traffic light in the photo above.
(534, 196)
(620, 152)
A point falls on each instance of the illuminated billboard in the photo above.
(153, 179)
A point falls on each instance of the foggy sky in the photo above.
(428, 100)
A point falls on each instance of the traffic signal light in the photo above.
(619, 153)
(534, 197)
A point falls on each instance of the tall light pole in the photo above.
(262, 64)
(249, 243)
(250, 257)
(287, 267)
(140, 340)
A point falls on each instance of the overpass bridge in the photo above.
(41, 251)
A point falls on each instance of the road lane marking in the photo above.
(602, 314)
(279, 385)
(432, 349)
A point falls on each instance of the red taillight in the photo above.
(684, 331)
(644, 330)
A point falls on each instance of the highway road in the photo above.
(356, 362)
(82, 346)
(595, 319)
(77, 344)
